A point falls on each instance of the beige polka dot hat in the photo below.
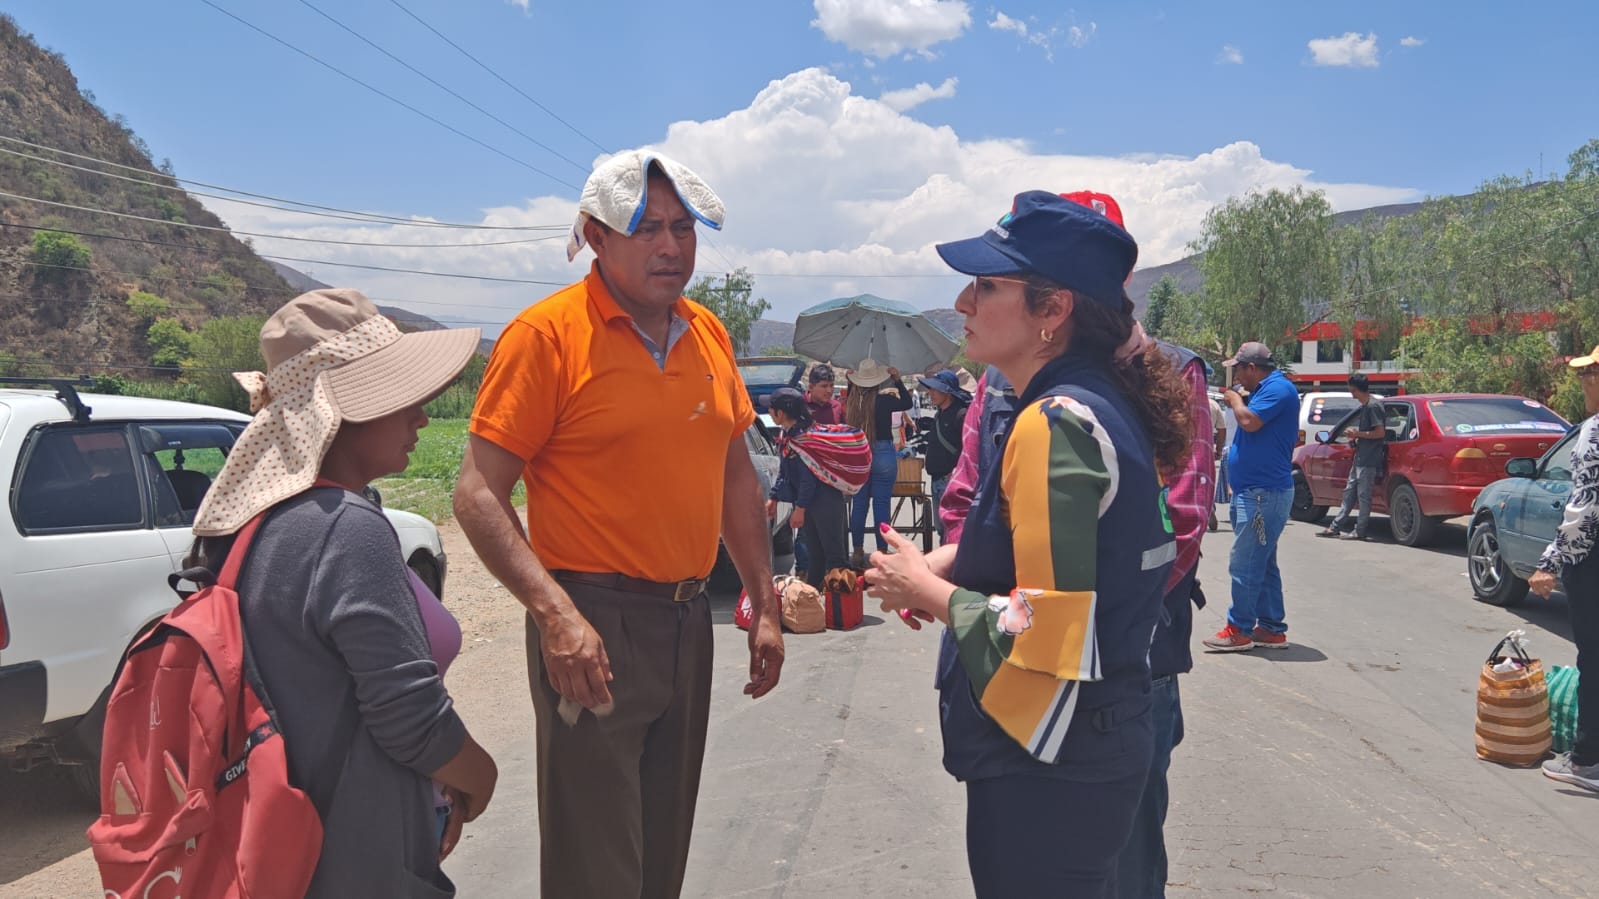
(331, 358)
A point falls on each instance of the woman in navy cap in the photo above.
(1050, 597)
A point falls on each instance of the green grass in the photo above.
(427, 485)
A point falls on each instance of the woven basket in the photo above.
(1512, 711)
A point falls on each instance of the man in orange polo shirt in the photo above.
(618, 403)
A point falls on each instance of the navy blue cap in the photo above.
(1044, 233)
(945, 381)
(791, 402)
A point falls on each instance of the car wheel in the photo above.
(86, 780)
(1305, 508)
(1410, 526)
(1492, 581)
(427, 568)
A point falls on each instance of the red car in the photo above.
(1443, 448)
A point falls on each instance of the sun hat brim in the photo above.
(407, 372)
(877, 381)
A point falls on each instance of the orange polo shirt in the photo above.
(624, 458)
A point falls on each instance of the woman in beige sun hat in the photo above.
(350, 646)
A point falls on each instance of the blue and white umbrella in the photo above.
(847, 330)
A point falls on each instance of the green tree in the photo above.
(223, 346)
(59, 255)
(170, 342)
(1459, 355)
(147, 306)
(1162, 297)
(1373, 262)
(777, 350)
(1267, 260)
(732, 299)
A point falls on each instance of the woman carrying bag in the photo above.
(819, 465)
(349, 645)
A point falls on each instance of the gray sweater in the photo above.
(334, 632)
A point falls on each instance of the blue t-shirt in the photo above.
(1264, 458)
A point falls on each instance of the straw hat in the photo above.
(870, 373)
(331, 358)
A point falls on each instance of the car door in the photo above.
(92, 569)
(1402, 435)
(180, 459)
(1543, 504)
(1327, 465)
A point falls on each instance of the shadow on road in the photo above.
(1551, 614)
(42, 820)
(1296, 652)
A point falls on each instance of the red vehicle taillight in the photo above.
(1472, 462)
(5, 631)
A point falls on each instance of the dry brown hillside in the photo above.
(79, 317)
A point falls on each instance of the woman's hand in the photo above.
(771, 509)
(797, 519)
(893, 372)
(903, 580)
(1542, 583)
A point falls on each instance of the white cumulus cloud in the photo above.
(828, 194)
(911, 97)
(1043, 38)
(1353, 49)
(1081, 36)
(1411, 41)
(886, 28)
(1231, 55)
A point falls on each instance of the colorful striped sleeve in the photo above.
(1024, 653)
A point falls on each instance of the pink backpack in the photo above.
(194, 779)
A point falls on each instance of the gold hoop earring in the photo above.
(1046, 336)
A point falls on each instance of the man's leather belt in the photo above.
(676, 591)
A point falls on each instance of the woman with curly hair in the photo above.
(1051, 596)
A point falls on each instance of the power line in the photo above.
(390, 97)
(352, 214)
(229, 231)
(484, 66)
(431, 80)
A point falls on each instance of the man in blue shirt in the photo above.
(1260, 468)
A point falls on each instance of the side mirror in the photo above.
(1321, 436)
(1522, 468)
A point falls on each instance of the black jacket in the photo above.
(944, 443)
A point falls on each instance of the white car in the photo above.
(103, 490)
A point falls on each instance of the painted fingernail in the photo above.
(883, 527)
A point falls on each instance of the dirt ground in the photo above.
(43, 853)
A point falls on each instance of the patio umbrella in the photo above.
(849, 329)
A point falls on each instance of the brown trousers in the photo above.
(617, 794)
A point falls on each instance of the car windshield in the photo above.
(1496, 415)
(779, 373)
(1327, 410)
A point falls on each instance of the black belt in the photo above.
(676, 591)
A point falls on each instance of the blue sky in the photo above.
(835, 184)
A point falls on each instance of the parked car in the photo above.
(1321, 410)
(763, 452)
(1443, 449)
(764, 374)
(1513, 520)
(103, 490)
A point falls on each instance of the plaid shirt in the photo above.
(1191, 492)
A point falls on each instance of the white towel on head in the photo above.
(616, 192)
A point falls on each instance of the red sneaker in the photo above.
(1270, 639)
(1230, 639)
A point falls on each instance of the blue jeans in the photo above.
(878, 492)
(1259, 516)
(939, 486)
(1141, 867)
(1223, 493)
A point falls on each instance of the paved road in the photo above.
(1340, 767)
